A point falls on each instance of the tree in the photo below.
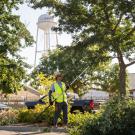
(101, 76)
(106, 78)
(108, 23)
(13, 37)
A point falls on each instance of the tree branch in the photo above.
(131, 63)
(131, 32)
(106, 13)
(93, 88)
(119, 20)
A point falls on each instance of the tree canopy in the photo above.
(101, 76)
(108, 23)
(13, 37)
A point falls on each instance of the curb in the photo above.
(31, 128)
(22, 128)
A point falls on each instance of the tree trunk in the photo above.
(122, 74)
(122, 80)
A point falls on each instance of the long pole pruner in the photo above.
(78, 76)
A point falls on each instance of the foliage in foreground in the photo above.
(118, 118)
(77, 122)
(25, 115)
(33, 115)
(8, 117)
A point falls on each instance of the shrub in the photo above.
(36, 115)
(8, 117)
(118, 118)
(77, 122)
(26, 115)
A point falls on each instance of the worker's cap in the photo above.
(57, 74)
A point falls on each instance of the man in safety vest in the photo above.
(58, 93)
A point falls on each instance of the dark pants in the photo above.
(58, 107)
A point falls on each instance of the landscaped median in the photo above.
(34, 117)
(116, 117)
(25, 115)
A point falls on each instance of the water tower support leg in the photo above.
(45, 43)
(56, 40)
(36, 49)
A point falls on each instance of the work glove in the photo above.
(67, 87)
(50, 102)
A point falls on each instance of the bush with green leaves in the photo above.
(118, 118)
(77, 122)
(25, 115)
(36, 115)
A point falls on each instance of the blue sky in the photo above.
(29, 17)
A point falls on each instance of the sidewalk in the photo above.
(31, 130)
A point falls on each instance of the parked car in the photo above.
(4, 107)
(82, 106)
(32, 104)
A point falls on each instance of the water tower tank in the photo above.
(46, 22)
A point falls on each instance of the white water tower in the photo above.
(45, 23)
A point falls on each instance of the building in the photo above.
(96, 95)
(103, 95)
(26, 94)
(131, 78)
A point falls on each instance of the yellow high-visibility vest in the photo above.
(60, 93)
